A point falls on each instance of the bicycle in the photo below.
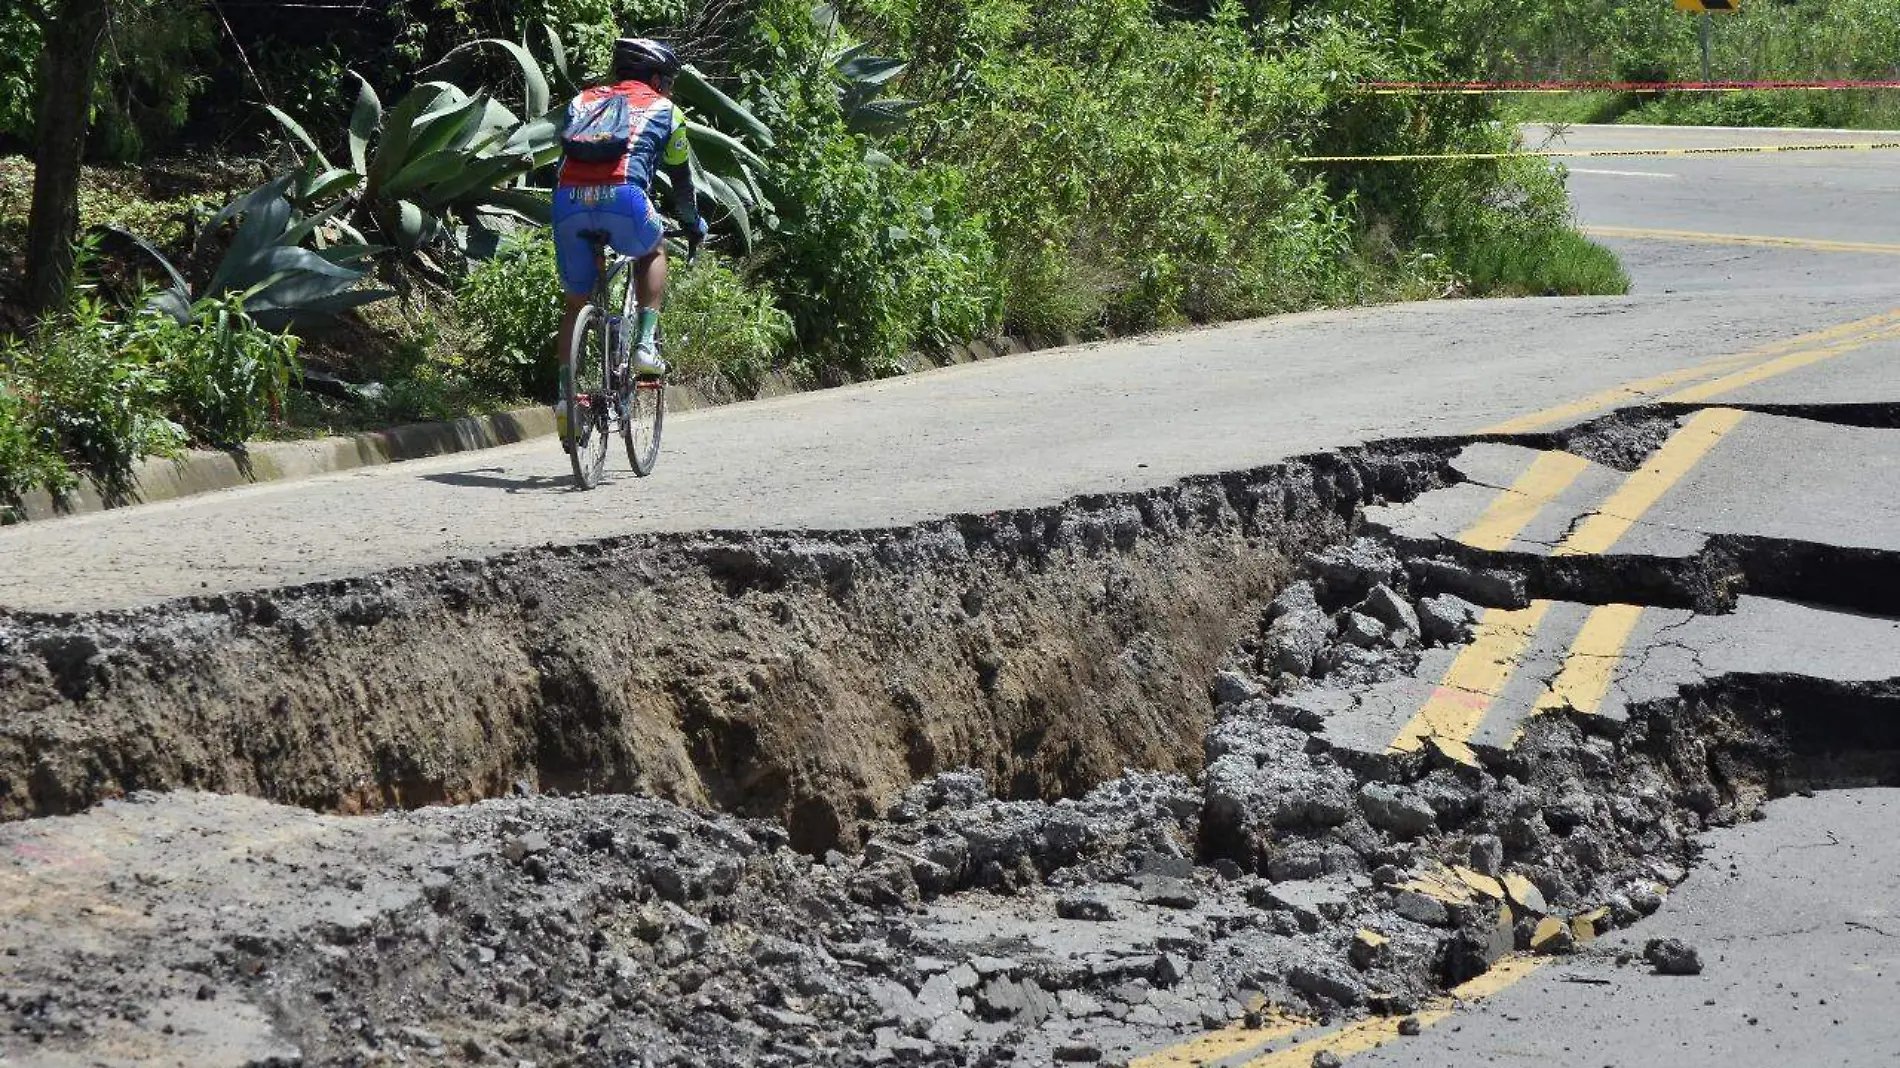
(601, 396)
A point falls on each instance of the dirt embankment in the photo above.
(808, 677)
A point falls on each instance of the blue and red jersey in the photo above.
(658, 137)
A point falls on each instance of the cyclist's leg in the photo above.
(574, 256)
(638, 233)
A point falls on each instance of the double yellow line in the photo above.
(1696, 237)
(1232, 1043)
(1478, 676)
(1724, 373)
(1466, 693)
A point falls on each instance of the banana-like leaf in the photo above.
(297, 132)
(878, 117)
(858, 69)
(563, 79)
(278, 309)
(366, 117)
(491, 172)
(296, 234)
(174, 299)
(410, 228)
(286, 261)
(825, 17)
(276, 189)
(497, 123)
(445, 127)
(350, 233)
(720, 192)
(256, 238)
(531, 204)
(350, 255)
(533, 79)
(314, 188)
(426, 171)
(721, 152)
(399, 128)
(692, 88)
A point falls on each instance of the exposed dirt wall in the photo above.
(805, 676)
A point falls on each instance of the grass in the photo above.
(1868, 109)
(1545, 263)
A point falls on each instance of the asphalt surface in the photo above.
(1029, 430)
(1801, 962)
(1803, 899)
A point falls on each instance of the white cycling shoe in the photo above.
(647, 362)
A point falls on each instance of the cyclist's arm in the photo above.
(676, 157)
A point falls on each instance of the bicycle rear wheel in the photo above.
(642, 401)
(646, 414)
(588, 398)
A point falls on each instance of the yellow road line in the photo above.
(1857, 333)
(1370, 1034)
(1585, 676)
(1548, 476)
(1644, 487)
(1473, 681)
(1206, 1049)
(1746, 240)
(1793, 361)
(1605, 153)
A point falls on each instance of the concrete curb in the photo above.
(208, 470)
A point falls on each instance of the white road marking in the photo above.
(1622, 174)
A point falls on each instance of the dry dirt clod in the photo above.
(1672, 956)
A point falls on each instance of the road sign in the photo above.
(1719, 7)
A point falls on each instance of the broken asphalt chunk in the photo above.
(1672, 956)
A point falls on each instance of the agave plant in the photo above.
(727, 170)
(439, 166)
(283, 286)
(445, 166)
(862, 79)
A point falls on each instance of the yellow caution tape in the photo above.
(1601, 153)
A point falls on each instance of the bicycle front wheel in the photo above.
(588, 398)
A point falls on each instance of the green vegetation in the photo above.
(1769, 40)
(884, 176)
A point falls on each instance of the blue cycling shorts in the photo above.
(621, 211)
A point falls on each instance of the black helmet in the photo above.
(641, 57)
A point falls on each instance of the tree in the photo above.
(72, 33)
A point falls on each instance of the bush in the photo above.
(510, 308)
(29, 457)
(224, 377)
(719, 326)
(106, 393)
(866, 268)
(97, 394)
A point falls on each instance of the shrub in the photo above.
(28, 456)
(510, 308)
(719, 326)
(98, 394)
(224, 377)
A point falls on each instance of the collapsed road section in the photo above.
(1404, 720)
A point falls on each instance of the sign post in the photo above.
(1707, 76)
(1704, 8)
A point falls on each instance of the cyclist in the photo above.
(605, 188)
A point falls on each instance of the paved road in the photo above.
(1799, 933)
(1714, 319)
(1030, 430)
